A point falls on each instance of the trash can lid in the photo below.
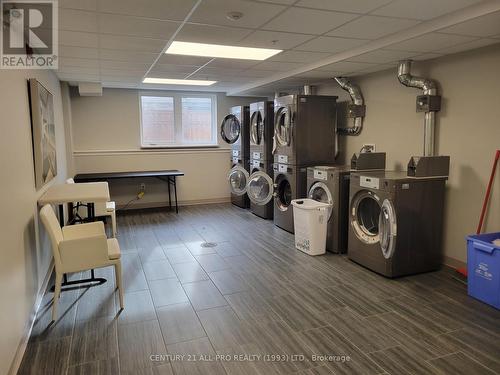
(309, 204)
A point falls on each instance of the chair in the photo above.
(79, 248)
(101, 209)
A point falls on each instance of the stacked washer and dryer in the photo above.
(235, 132)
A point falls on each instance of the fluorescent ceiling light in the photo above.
(216, 50)
(168, 81)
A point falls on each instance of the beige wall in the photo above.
(106, 137)
(25, 251)
(468, 129)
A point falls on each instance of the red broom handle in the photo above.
(488, 192)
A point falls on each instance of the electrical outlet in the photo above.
(369, 147)
(142, 188)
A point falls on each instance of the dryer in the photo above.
(305, 129)
(238, 179)
(260, 188)
(235, 131)
(330, 184)
(396, 222)
(261, 130)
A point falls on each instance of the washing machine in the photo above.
(260, 188)
(238, 179)
(261, 130)
(305, 129)
(235, 131)
(330, 184)
(289, 182)
(396, 222)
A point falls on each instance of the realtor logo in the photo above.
(29, 37)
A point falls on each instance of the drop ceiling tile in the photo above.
(167, 68)
(78, 20)
(319, 74)
(124, 65)
(299, 56)
(345, 67)
(214, 12)
(308, 21)
(233, 63)
(379, 68)
(278, 66)
(183, 60)
(432, 42)
(175, 10)
(123, 80)
(427, 56)
(75, 62)
(274, 39)
(211, 34)
(282, 2)
(130, 43)
(485, 26)
(173, 75)
(357, 6)
(78, 77)
(223, 71)
(330, 44)
(382, 56)
(372, 27)
(135, 26)
(122, 73)
(78, 4)
(76, 70)
(470, 45)
(78, 52)
(128, 56)
(255, 73)
(422, 9)
(78, 39)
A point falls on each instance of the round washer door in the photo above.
(256, 128)
(365, 216)
(230, 129)
(388, 229)
(282, 193)
(260, 188)
(238, 178)
(283, 126)
(320, 192)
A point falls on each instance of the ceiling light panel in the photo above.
(221, 51)
(168, 81)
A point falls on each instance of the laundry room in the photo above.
(250, 187)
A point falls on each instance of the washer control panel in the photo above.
(369, 182)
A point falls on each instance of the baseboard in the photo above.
(140, 205)
(454, 263)
(16, 363)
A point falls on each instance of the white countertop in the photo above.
(87, 192)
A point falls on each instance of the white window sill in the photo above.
(155, 147)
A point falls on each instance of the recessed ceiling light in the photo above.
(168, 81)
(217, 50)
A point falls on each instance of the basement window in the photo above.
(178, 120)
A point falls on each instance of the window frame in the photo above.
(177, 96)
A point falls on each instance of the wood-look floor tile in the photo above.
(227, 249)
(228, 281)
(295, 313)
(314, 297)
(159, 269)
(179, 323)
(459, 364)
(167, 292)
(164, 369)
(251, 306)
(204, 295)
(151, 254)
(46, 357)
(192, 362)
(132, 273)
(212, 262)
(179, 255)
(196, 248)
(102, 367)
(95, 302)
(190, 272)
(137, 342)
(138, 307)
(360, 304)
(399, 360)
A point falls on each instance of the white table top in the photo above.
(82, 192)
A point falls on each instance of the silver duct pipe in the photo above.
(356, 110)
(309, 90)
(429, 88)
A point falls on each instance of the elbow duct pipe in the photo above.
(356, 110)
(429, 87)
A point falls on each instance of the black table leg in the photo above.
(175, 193)
(169, 194)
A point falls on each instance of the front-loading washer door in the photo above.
(365, 216)
(320, 192)
(260, 188)
(283, 122)
(230, 129)
(282, 192)
(387, 229)
(238, 179)
(256, 128)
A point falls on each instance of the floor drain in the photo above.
(209, 244)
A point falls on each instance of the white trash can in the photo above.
(310, 218)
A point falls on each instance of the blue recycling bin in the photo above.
(483, 268)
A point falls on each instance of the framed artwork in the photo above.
(43, 132)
